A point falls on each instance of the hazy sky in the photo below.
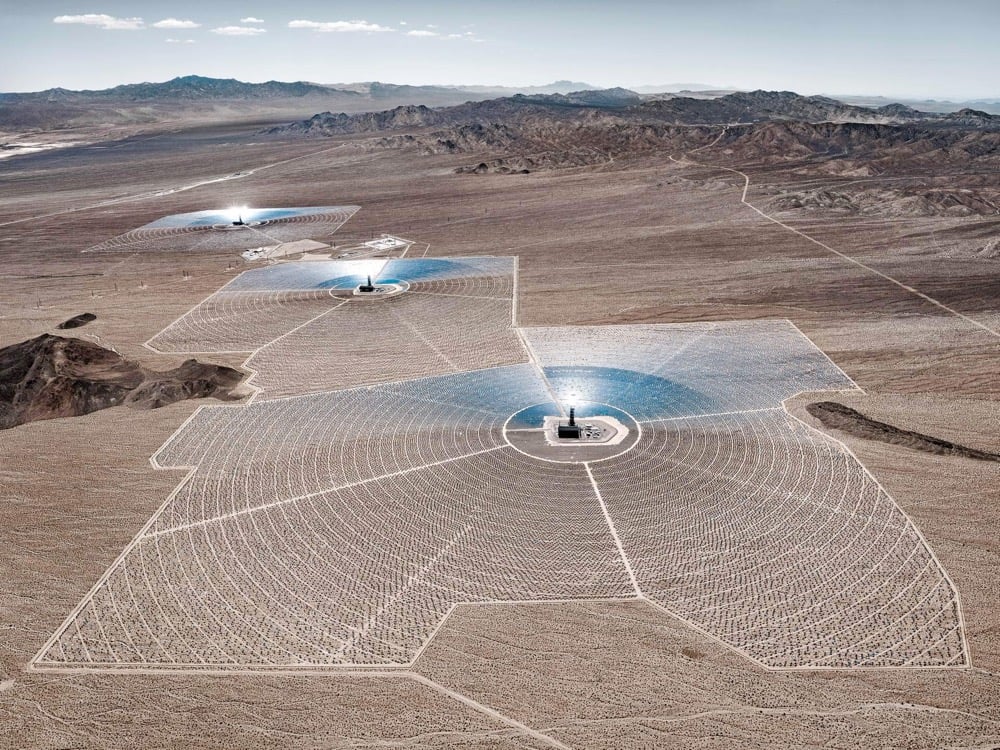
(916, 48)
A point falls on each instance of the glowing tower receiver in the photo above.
(236, 214)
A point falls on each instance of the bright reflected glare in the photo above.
(370, 267)
(237, 212)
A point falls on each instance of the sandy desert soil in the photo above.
(659, 241)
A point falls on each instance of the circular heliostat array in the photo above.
(229, 229)
(403, 456)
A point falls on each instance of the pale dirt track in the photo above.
(848, 258)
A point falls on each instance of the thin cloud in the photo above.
(176, 23)
(251, 19)
(179, 41)
(103, 21)
(238, 31)
(468, 36)
(337, 26)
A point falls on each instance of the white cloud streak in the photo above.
(176, 23)
(103, 21)
(238, 31)
(251, 19)
(468, 36)
(338, 26)
(179, 41)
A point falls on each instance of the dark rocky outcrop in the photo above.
(76, 321)
(843, 418)
(51, 376)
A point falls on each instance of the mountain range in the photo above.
(626, 106)
(212, 99)
(823, 136)
(200, 97)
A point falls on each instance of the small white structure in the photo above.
(387, 242)
(286, 248)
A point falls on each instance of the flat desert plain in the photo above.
(905, 306)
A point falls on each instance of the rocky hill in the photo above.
(624, 106)
(506, 110)
(878, 144)
(598, 98)
(760, 106)
(51, 376)
(848, 149)
(328, 123)
(972, 118)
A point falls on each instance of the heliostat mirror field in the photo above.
(370, 486)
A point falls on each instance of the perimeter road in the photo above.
(614, 532)
(493, 713)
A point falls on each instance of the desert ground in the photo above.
(905, 305)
